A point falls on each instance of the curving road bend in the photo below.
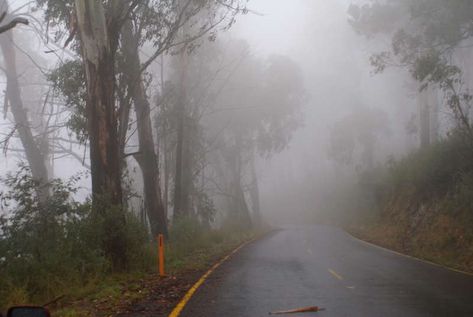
(324, 266)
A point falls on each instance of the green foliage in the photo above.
(435, 169)
(192, 244)
(279, 101)
(205, 207)
(42, 242)
(258, 101)
(426, 204)
(49, 246)
(68, 82)
(442, 172)
(188, 234)
(57, 11)
(440, 175)
(357, 133)
(425, 34)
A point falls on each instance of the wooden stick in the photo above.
(310, 309)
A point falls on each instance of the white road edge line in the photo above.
(407, 256)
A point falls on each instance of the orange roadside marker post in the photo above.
(161, 255)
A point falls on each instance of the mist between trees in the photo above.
(165, 118)
(123, 120)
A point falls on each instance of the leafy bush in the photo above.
(188, 234)
(50, 245)
(435, 169)
(191, 243)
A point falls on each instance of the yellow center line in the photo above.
(338, 276)
(180, 306)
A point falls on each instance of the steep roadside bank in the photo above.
(425, 228)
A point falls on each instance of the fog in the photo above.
(182, 131)
(340, 99)
(339, 80)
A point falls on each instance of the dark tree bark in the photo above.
(164, 144)
(181, 189)
(187, 177)
(36, 159)
(424, 118)
(254, 194)
(98, 54)
(146, 156)
(98, 40)
(239, 205)
(434, 115)
(10, 25)
(163, 147)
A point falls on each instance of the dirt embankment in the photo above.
(424, 227)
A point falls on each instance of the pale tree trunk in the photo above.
(239, 205)
(46, 139)
(428, 115)
(146, 157)
(180, 189)
(164, 144)
(36, 159)
(124, 120)
(424, 118)
(98, 44)
(254, 193)
(434, 114)
(187, 177)
(163, 149)
(99, 58)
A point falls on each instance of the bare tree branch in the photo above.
(12, 23)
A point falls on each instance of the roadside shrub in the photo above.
(434, 169)
(187, 234)
(191, 241)
(48, 246)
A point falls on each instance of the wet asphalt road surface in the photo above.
(326, 267)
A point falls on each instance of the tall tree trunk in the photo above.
(424, 118)
(164, 144)
(36, 159)
(187, 164)
(99, 62)
(163, 148)
(254, 194)
(146, 156)
(181, 188)
(98, 44)
(434, 114)
(238, 195)
(124, 119)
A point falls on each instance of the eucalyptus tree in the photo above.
(262, 114)
(117, 78)
(183, 31)
(14, 102)
(355, 137)
(426, 36)
(244, 107)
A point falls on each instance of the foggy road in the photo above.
(326, 267)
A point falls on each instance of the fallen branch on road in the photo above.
(310, 309)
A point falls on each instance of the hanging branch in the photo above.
(6, 140)
(12, 23)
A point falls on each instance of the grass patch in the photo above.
(426, 205)
(190, 248)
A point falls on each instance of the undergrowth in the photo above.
(425, 205)
(58, 249)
